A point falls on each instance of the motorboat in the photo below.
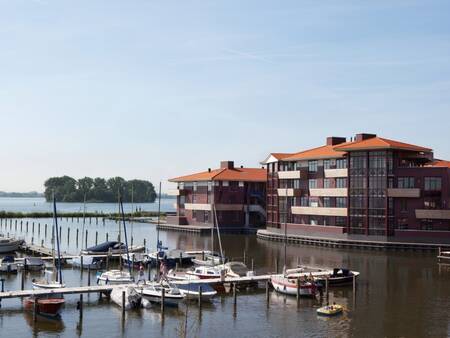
(152, 291)
(171, 258)
(89, 262)
(133, 299)
(180, 275)
(47, 305)
(206, 258)
(32, 264)
(338, 277)
(9, 244)
(111, 247)
(192, 290)
(114, 277)
(236, 270)
(135, 259)
(206, 272)
(289, 285)
(8, 265)
(330, 310)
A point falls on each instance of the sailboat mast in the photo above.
(84, 221)
(57, 240)
(125, 233)
(159, 218)
(119, 199)
(218, 234)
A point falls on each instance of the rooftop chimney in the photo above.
(209, 170)
(227, 165)
(363, 136)
(334, 140)
(242, 167)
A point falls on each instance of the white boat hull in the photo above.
(132, 298)
(10, 246)
(283, 285)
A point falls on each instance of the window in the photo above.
(433, 183)
(296, 184)
(403, 205)
(327, 202)
(341, 202)
(195, 186)
(312, 166)
(327, 183)
(341, 183)
(341, 163)
(313, 201)
(304, 201)
(241, 184)
(406, 182)
(209, 186)
(341, 221)
(312, 184)
(225, 183)
(431, 203)
(326, 164)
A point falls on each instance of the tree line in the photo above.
(68, 189)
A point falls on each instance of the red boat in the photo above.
(49, 307)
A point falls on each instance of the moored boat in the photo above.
(32, 264)
(338, 277)
(132, 297)
(89, 262)
(8, 265)
(49, 306)
(112, 247)
(206, 272)
(9, 244)
(114, 277)
(288, 285)
(192, 290)
(135, 259)
(152, 291)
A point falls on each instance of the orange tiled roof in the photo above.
(280, 156)
(317, 153)
(224, 174)
(379, 143)
(439, 163)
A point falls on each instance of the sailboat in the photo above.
(116, 277)
(291, 284)
(49, 305)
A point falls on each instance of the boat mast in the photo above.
(285, 229)
(118, 200)
(84, 221)
(158, 244)
(218, 235)
(57, 240)
(125, 234)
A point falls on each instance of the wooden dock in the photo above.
(65, 291)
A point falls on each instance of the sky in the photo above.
(157, 89)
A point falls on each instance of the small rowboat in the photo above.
(50, 307)
(330, 310)
(114, 277)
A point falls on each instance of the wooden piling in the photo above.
(45, 229)
(163, 299)
(60, 232)
(21, 224)
(326, 289)
(22, 282)
(80, 307)
(89, 275)
(35, 309)
(245, 257)
(200, 298)
(276, 265)
(267, 293)
(39, 228)
(77, 236)
(32, 227)
(96, 237)
(68, 235)
(85, 239)
(107, 235)
(123, 304)
(298, 290)
(144, 243)
(81, 265)
(42, 243)
(253, 269)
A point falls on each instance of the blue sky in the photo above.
(155, 89)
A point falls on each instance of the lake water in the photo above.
(38, 204)
(399, 294)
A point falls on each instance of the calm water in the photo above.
(400, 294)
(38, 204)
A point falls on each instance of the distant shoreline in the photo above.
(21, 194)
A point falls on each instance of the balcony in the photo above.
(328, 192)
(289, 192)
(332, 173)
(291, 175)
(197, 206)
(403, 192)
(173, 192)
(318, 211)
(433, 213)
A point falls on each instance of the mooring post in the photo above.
(80, 306)
(68, 235)
(35, 309)
(85, 239)
(245, 257)
(144, 244)
(326, 288)
(276, 265)
(123, 304)
(60, 231)
(253, 269)
(42, 243)
(26, 228)
(3, 284)
(298, 290)
(96, 220)
(149, 271)
(81, 265)
(45, 229)
(21, 223)
(22, 282)
(131, 240)
(77, 236)
(200, 298)
(32, 227)
(107, 235)
(163, 300)
(39, 228)
(354, 286)
(15, 225)
(89, 275)
(96, 237)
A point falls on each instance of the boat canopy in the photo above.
(104, 247)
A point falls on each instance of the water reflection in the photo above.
(43, 324)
